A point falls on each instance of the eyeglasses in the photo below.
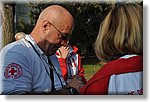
(64, 36)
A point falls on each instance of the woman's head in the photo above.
(120, 33)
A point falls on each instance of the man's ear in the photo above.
(46, 25)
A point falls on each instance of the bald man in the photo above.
(26, 67)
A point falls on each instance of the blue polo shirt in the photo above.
(26, 70)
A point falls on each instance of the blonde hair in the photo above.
(120, 33)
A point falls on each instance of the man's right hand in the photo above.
(63, 51)
(75, 82)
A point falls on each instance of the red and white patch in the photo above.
(13, 71)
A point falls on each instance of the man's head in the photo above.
(53, 28)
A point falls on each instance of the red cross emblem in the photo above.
(13, 71)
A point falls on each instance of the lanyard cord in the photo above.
(49, 61)
(51, 74)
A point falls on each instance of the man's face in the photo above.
(51, 50)
(55, 39)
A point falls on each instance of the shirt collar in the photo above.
(128, 56)
(29, 38)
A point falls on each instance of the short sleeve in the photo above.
(16, 72)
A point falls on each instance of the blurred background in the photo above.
(22, 16)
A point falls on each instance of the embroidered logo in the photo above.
(13, 71)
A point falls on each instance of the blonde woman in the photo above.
(119, 43)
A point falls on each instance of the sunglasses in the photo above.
(64, 36)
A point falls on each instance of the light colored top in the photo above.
(24, 70)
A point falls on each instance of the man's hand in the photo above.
(63, 51)
(75, 82)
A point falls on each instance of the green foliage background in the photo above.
(87, 16)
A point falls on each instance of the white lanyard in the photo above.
(51, 67)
